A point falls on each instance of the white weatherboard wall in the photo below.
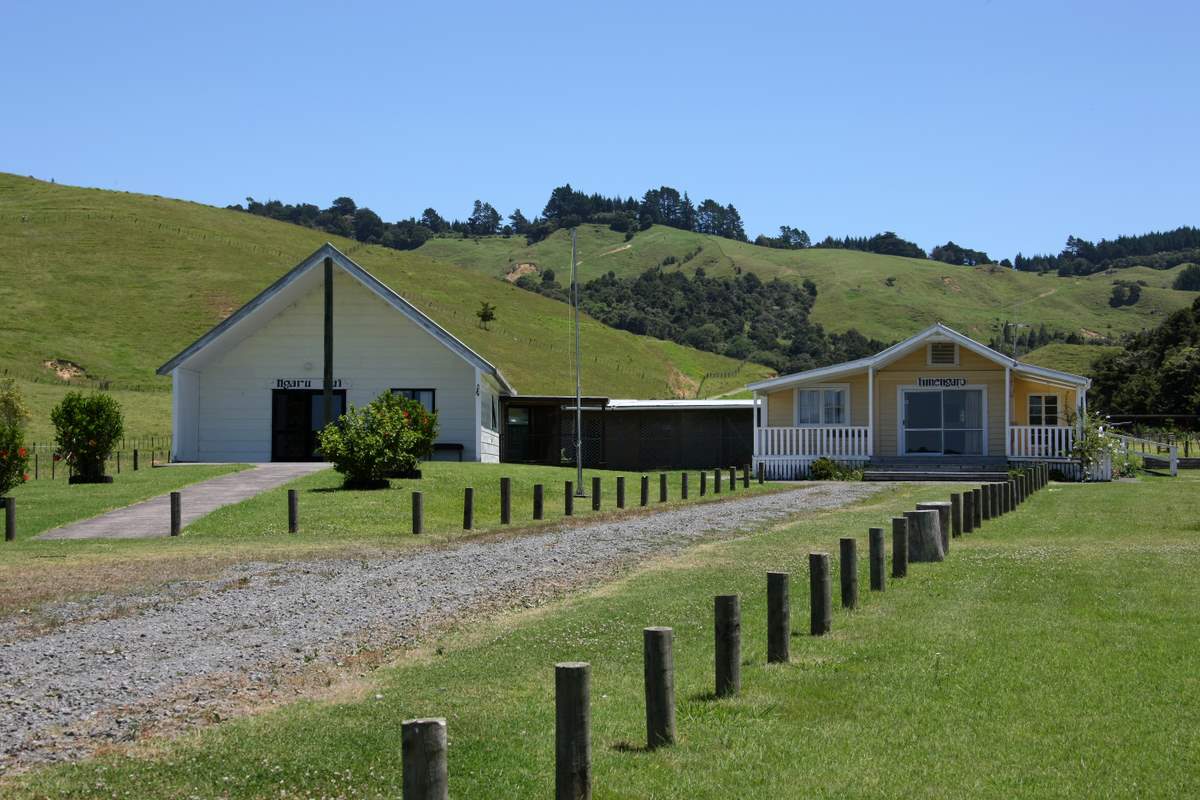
(489, 421)
(375, 349)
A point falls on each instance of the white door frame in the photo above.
(900, 390)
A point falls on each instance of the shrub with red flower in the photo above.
(87, 428)
(387, 436)
(14, 458)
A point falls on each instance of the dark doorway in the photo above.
(296, 416)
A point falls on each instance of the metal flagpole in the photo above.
(578, 383)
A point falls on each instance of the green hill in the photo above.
(112, 284)
(1076, 358)
(885, 297)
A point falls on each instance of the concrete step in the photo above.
(961, 476)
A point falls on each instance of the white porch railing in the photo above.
(1040, 441)
(836, 441)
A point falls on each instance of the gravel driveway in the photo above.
(115, 667)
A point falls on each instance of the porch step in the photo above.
(961, 476)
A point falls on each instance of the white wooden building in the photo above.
(937, 399)
(250, 390)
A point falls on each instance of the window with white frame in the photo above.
(823, 405)
(1043, 409)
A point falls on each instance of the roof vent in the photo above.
(943, 353)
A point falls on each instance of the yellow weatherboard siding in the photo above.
(1023, 387)
(781, 408)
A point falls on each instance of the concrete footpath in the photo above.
(152, 518)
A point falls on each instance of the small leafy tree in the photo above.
(1092, 442)
(486, 313)
(87, 428)
(14, 458)
(385, 437)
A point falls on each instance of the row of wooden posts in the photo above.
(39, 469)
(539, 497)
(920, 535)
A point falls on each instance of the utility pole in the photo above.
(578, 382)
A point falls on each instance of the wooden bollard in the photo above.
(10, 519)
(985, 492)
(662, 487)
(943, 522)
(293, 511)
(620, 491)
(683, 486)
(505, 501)
(727, 618)
(135, 459)
(176, 513)
(924, 536)
(956, 514)
(978, 509)
(878, 558)
(716, 481)
(762, 472)
(1022, 487)
(423, 759)
(468, 508)
(779, 618)
(568, 499)
(539, 501)
(659, 672)
(572, 731)
(899, 547)
(732, 478)
(118, 462)
(968, 511)
(595, 494)
(1011, 502)
(703, 483)
(848, 571)
(418, 513)
(645, 497)
(745, 476)
(820, 594)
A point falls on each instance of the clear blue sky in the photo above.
(1002, 125)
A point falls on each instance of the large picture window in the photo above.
(822, 406)
(1043, 409)
(423, 396)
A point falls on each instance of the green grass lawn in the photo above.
(1052, 655)
(333, 522)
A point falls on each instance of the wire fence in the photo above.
(143, 452)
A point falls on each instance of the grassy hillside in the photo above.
(885, 297)
(1076, 358)
(117, 283)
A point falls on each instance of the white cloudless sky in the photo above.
(1004, 126)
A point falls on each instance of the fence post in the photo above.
(745, 476)
(645, 489)
(538, 501)
(683, 486)
(820, 594)
(977, 519)
(505, 501)
(732, 478)
(717, 480)
(1174, 461)
(423, 759)
(878, 558)
(568, 499)
(986, 496)
(10, 519)
(1012, 495)
(968, 511)
(118, 462)
(727, 612)
(762, 472)
(943, 522)
(899, 547)
(662, 487)
(36, 465)
(572, 731)
(418, 513)
(293, 511)
(848, 571)
(595, 493)
(956, 514)
(176, 512)
(135, 459)
(620, 491)
(659, 672)
(703, 483)
(468, 508)
(779, 618)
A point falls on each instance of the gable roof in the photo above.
(937, 332)
(378, 287)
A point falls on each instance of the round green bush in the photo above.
(14, 458)
(387, 436)
(87, 428)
